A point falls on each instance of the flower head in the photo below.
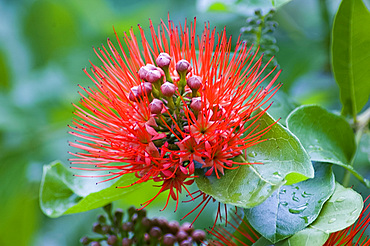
(156, 110)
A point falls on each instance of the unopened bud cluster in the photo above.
(135, 228)
(163, 90)
(259, 31)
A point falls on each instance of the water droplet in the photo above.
(332, 220)
(296, 199)
(319, 201)
(252, 154)
(340, 199)
(305, 194)
(354, 211)
(283, 191)
(305, 219)
(297, 210)
(297, 188)
(284, 204)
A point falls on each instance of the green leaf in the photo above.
(340, 211)
(292, 208)
(351, 55)
(306, 237)
(262, 242)
(282, 155)
(242, 187)
(318, 131)
(283, 158)
(62, 193)
(217, 6)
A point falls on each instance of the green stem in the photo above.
(325, 17)
(360, 127)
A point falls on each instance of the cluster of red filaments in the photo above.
(163, 110)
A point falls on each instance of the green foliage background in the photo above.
(44, 44)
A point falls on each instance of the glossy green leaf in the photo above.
(306, 237)
(242, 187)
(262, 242)
(283, 158)
(62, 193)
(282, 155)
(340, 211)
(326, 137)
(292, 208)
(351, 54)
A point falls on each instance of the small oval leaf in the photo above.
(292, 208)
(340, 211)
(318, 131)
(282, 154)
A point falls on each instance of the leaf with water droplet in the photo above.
(289, 210)
(284, 161)
(343, 212)
(281, 152)
(318, 129)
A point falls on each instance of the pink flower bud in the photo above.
(163, 60)
(194, 82)
(143, 72)
(133, 95)
(153, 75)
(156, 106)
(168, 89)
(183, 66)
(196, 104)
(147, 87)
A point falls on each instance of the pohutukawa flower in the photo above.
(158, 133)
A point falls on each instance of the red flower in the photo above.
(156, 110)
(247, 235)
(205, 200)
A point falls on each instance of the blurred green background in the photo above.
(44, 45)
